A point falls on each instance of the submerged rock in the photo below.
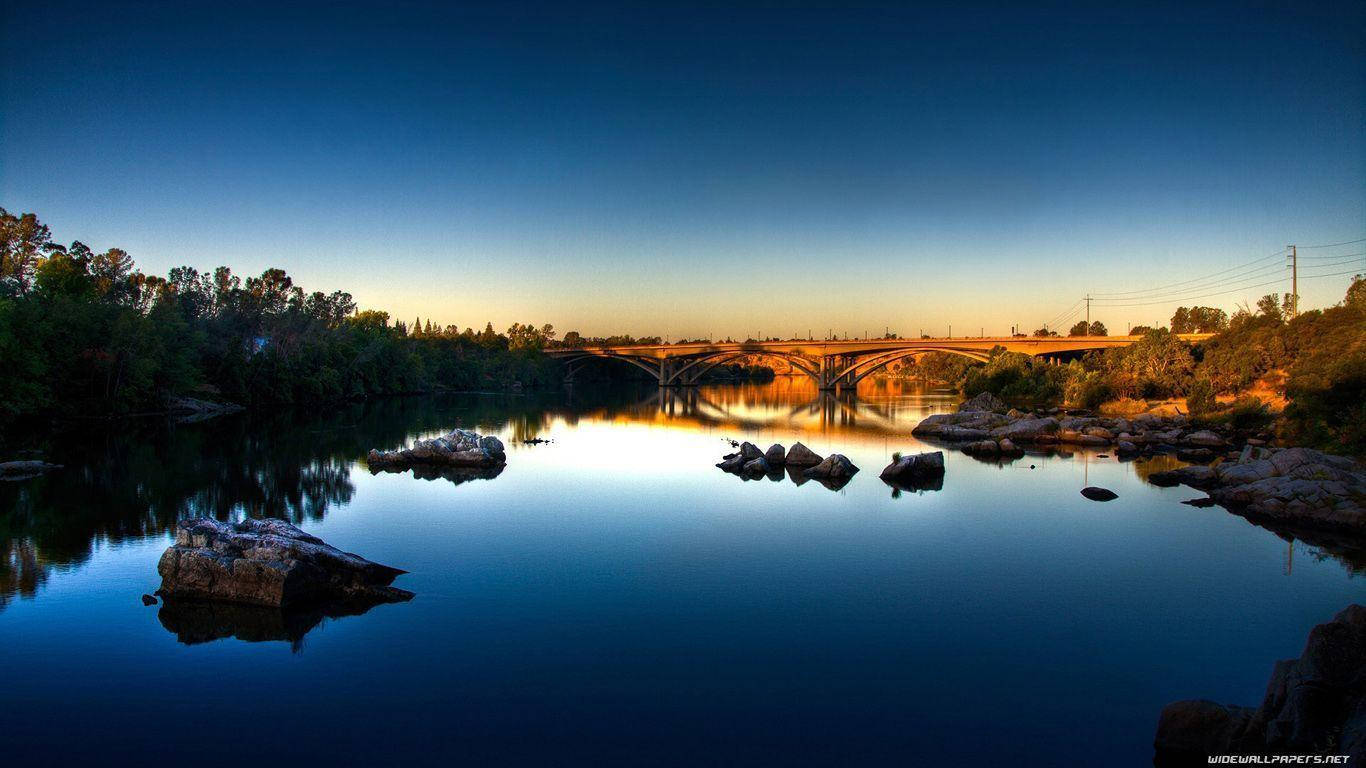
(1315, 704)
(801, 456)
(1099, 494)
(461, 448)
(268, 562)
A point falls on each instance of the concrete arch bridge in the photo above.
(833, 365)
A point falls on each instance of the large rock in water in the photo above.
(836, 466)
(801, 456)
(985, 401)
(461, 448)
(268, 562)
(1315, 704)
(776, 455)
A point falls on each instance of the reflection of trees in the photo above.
(129, 480)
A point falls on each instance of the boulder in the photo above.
(1026, 430)
(732, 463)
(1314, 705)
(776, 456)
(460, 448)
(268, 562)
(1099, 494)
(1008, 448)
(836, 466)
(750, 451)
(982, 448)
(1205, 439)
(801, 456)
(1196, 476)
(985, 401)
(149, 600)
(908, 469)
(757, 466)
(1126, 448)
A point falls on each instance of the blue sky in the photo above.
(700, 170)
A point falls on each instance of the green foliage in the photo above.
(1199, 320)
(87, 334)
(1249, 413)
(1200, 397)
(1016, 378)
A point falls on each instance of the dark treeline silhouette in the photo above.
(85, 333)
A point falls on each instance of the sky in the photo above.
(707, 170)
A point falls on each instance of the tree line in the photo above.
(85, 333)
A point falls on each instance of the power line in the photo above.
(1231, 290)
(1334, 256)
(1334, 245)
(1206, 284)
(1244, 266)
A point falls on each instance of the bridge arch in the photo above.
(697, 366)
(868, 366)
(579, 360)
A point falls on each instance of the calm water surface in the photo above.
(613, 597)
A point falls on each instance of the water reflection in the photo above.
(194, 622)
(134, 480)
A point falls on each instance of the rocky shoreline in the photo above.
(460, 448)
(1246, 473)
(1315, 704)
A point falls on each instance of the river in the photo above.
(613, 597)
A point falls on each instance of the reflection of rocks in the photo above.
(268, 562)
(203, 621)
(23, 470)
(456, 475)
(1315, 704)
(1099, 494)
(461, 448)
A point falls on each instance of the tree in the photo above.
(1356, 294)
(24, 242)
(1097, 329)
(1079, 329)
(1040, 333)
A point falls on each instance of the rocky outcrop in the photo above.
(190, 409)
(1294, 485)
(801, 456)
(921, 472)
(1315, 704)
(985, 401)
(268, 562)
(836, 466)
(23, 470)
(461, 448)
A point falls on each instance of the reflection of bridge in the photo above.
(832, 364)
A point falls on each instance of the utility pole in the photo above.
(1088, 315)
(1294, 282)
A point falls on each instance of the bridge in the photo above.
(832, 364)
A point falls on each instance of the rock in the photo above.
(985, 401)
(1009, 448)
(1100, 432)
(982, 448)
(1205, 438)
(1196, 476)
(1099, 494)
(776, 456)
(1202, 502)
(1126, 448)
(757, 466)
(750, 451)
(836, 466)
(149, 600)
(23, 470)
(909, 469)
(1299, 486)
(268, 562)
(1074, 437)
(1197, 455)
(1315, 704)
(1026, 430)
(957, 433)
(733, 463)
(460, 448)
(189, 409)
(801, 456)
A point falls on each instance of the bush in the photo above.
(1200, 398)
